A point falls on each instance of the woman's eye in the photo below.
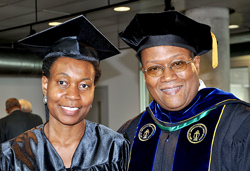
(61, 82)
(84, 86)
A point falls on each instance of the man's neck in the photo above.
(14, 109)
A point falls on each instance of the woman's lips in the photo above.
(70, 110)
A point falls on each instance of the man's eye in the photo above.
(154, 68)
(178, 64)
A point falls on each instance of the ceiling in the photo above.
(17, 17)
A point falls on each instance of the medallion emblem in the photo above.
(197, 133)
(146, 132)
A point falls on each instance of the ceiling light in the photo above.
(233, 26)
(121, 9)
(54, 23)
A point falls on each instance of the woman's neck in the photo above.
(64, 134)
(65, 139)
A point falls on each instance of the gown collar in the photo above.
(204, 100)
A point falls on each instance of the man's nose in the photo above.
(168, 74)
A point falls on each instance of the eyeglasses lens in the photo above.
(157, 70)
(178, 66)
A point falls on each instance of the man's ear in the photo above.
(197, 63)
(44, 85)
(142, 69)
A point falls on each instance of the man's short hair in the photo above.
(11, 103)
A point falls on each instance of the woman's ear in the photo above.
(44, 85)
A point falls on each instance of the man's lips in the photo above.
(171, 90)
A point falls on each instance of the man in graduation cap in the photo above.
(71, 54)
(183, 128)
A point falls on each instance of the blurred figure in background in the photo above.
(17, 121)
(25, 105)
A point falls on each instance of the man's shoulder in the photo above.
(239, 110)
(2, 123)
(4, 118)
(35, 115)
(131, 123)
(19, 113)
(36, 118)
(16, 112)
(29, 114)
(129, 127)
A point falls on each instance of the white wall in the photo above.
(120, 73)
(25, 88)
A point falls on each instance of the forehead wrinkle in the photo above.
(172, 56)
(65, 74)
(84, 79)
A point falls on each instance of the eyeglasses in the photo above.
(176, 66)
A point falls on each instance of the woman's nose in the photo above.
(73, 93)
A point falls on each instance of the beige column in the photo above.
(218, 19)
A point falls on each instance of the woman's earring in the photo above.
(45, 99)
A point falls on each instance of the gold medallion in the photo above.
(197, 133)
(146, 132)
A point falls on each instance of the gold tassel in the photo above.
(214, 51)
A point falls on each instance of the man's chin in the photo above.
(172, 105)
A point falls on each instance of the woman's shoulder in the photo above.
(103, 131)
(112, 147)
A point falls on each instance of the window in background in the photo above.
(239, 83)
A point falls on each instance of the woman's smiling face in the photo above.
(69, 90)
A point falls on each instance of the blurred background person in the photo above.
(25, 105)
(17, 121)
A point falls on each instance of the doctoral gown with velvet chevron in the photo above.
(211, 133)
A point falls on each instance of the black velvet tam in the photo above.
(76, 38)
(167, 28)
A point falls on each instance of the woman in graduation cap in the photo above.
(71, 53)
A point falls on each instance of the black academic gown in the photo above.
(16, 123)
(100, 149)
(225, 145)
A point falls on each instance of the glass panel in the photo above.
(144, 95)
(239, 85)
